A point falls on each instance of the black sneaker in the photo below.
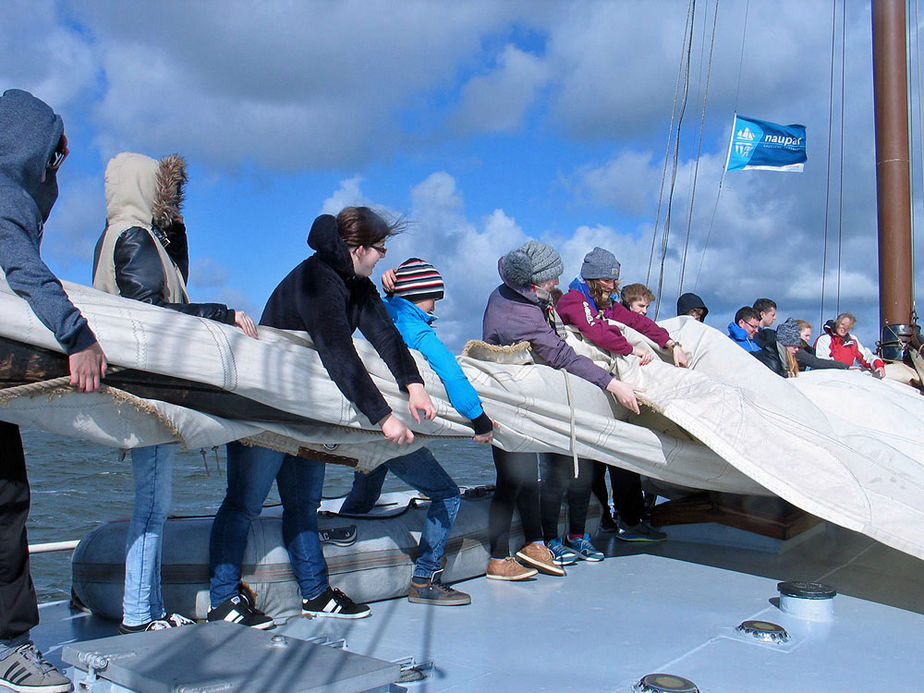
(334, 604)
(170, 621)
(241, 610)
(433, 591)
(25, 670)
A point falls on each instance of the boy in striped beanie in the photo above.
(412, 291)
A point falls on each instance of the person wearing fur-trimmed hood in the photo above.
(143, 254)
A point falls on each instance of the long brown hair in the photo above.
(360, 226)
(600, 295)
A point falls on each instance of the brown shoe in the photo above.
(508, 569)
(539, 556)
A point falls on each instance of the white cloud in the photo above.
(498, 101)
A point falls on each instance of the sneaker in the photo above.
(170, 621)
(240, 609)
(585, 549)
(433, 591)
(508, 569)
(334, 604)
(641, 532)
(561, 554)
(539, 556)
(27, 671)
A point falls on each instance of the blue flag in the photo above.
(761, 145)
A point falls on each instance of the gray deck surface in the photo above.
(605, 625)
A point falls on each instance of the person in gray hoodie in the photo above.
(32, 148)
(521, 309)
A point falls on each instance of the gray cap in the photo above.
(532, 263)
(600, 264)
(787, 334)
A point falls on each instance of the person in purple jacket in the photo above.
(521, 309)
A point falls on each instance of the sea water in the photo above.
(77, 486)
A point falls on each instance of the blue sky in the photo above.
(484, 123)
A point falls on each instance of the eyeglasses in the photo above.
(381, 249)
(59, 155)
(754, 325)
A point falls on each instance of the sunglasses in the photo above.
(381, 249)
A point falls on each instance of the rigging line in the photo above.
(670, 197)
(699, 149)
(840, 192)
(667, 151)
(917, 40)
(824, 254)
(718, 192)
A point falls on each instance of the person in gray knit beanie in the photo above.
(787, 334)
(600, 263)
(532, 263)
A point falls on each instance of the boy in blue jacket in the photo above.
(412, 291)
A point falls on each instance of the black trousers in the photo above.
(517, 487)
(18, 605)
(558, 481)
(627, 492)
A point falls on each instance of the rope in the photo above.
(917, 40)
(699, 148)
(824, 254)
(840, 192)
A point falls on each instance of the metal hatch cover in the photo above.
(213, 657)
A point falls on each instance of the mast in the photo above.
(893, 180)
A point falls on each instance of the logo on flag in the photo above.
(762, 145)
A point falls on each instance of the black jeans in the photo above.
(627, 492)
(558, 481)
(18, 605)
(517, 487)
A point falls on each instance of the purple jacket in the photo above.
(514, 314)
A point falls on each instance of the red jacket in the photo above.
(575, 309)
(845, 349)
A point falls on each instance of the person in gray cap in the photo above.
(780, 347)
(521, 309)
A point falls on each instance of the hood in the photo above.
(324, 237)
(578, 284)
(688, 302)
(524, 291)
(398, 306)
(29, 133)
(141, 191)
(738, 333)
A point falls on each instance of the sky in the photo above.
(483, 124)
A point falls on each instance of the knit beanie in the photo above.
(416, 280)
(532, 263)
(600, 264)
(787, 334)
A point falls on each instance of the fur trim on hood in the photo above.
(143, 192)
(168, 191)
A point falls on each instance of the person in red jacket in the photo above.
(837, 343)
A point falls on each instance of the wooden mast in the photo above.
(893, 180)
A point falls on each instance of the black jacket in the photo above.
(324, 297)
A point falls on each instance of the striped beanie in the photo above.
(416, 280)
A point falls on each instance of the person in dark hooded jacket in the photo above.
(329, 295)
(692, 305)
(32, 148)
(143, 254)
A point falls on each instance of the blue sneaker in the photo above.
(561, 554)
(584, 548)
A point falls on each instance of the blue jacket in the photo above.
(417, 330)
(740, 337)
(30, 131)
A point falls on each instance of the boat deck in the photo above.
(649, 609)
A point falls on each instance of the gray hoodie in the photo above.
(29, 133)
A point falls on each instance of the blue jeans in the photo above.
(142, 600)
(420, 470)
(251, 471)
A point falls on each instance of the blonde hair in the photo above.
(803, 324)
(792, 366)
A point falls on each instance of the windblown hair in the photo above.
(636, 292)
(792, 366)
(600, 295)
(360, 226)
(845, 316)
